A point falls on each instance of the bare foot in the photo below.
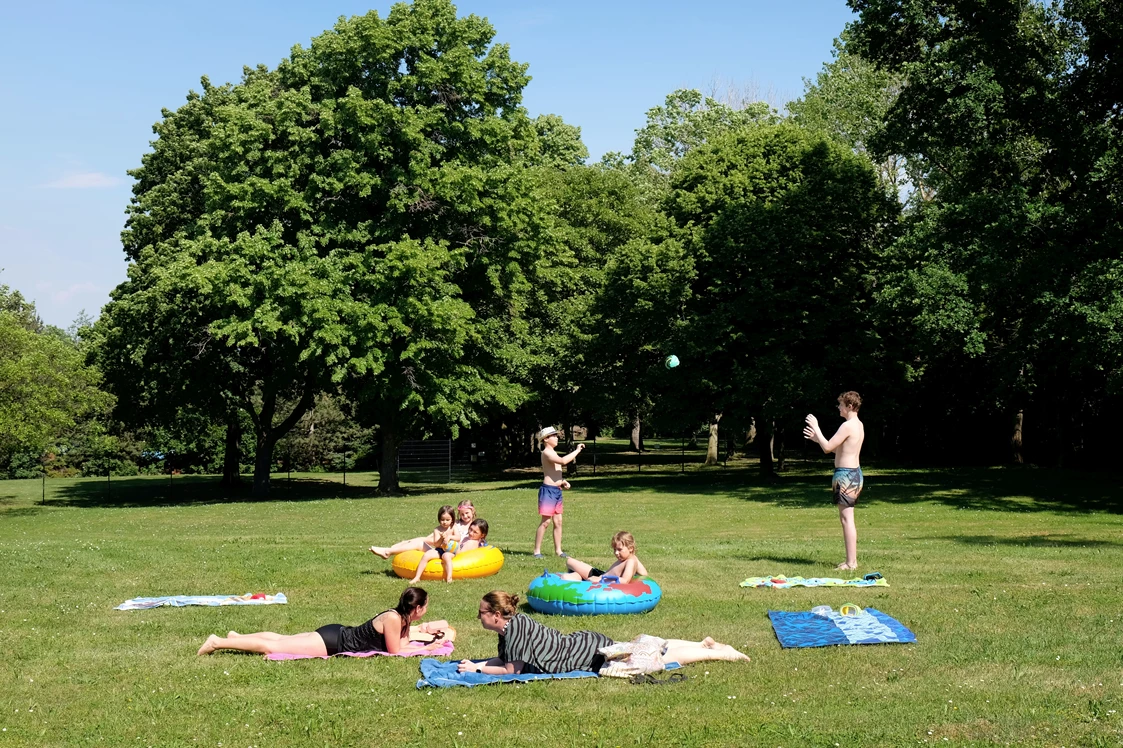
(734, 655)
(709, 643)
(232, 634)
(210, 645)
(382, 552)
(845, 567)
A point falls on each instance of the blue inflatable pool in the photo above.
(550, 593)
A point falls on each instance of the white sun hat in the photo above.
(548, 431)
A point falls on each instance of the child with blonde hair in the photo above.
(434, 545)
(627, 564)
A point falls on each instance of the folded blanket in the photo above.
(436, 674)
(180, 601)
(443, 650)
(873, 579)
(811, 630)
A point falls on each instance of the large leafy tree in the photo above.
(631, 338)
(783, 228)
(46, 389)
(359, 216)
(1009, 280)
(848, 102)
(685, 120)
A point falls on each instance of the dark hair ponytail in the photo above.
(412, 598)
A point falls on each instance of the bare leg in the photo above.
(426, 557)
(539, 533)
(557, 534)
(641, 570)
(582, 569)
(446, 561)
(266, 635)
(309, 643)
(849, 537)
(414, 544)
(685, 652)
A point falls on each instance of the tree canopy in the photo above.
(359, 215)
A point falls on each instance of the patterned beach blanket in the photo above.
(443, 650)
(436, 674)
(873, 579)
(182, 601)
(811, 630)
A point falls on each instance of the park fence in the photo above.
(432, 461)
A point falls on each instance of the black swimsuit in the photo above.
(362, 638)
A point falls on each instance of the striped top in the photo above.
(546, 650)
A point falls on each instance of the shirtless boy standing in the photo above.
(550, 492)
(846, 445)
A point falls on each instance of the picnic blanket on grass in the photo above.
(811, 630)
(873, 579)
(437, 674)
(182, 601)
(443, 650)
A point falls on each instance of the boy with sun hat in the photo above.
(550, 492)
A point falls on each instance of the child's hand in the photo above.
(564, 484)
(580, 447)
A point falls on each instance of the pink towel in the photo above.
(444, 649)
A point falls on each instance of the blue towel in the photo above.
(437, 674)
(810, 630)
(180, 601)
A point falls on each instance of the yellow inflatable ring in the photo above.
(479, 562)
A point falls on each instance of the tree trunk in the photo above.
(1016, 439)
(567, 434)
(637, 437)
(764, 439)
(778, 447)
(232, 455)
(263, 464)
(267, 435)
(388, 475)
(711, 447)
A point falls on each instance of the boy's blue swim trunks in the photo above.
(549, 501)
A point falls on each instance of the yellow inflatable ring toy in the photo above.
(478, 562)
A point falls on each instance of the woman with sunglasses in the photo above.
(526, 646)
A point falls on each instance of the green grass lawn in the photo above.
(1011, 580)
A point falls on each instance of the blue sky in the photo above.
(84, 82)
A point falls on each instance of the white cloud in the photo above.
(84, 180)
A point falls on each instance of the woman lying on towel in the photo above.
(526, 646)
(388, 631)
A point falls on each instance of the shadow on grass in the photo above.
(807, 485)
(21, 511)
(783, 559)
(380, 572)
(1033, 541)
(122, 493)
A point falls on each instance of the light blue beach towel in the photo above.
(437, 674)
(182, 601)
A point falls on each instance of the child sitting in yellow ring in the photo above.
(476, 538)
(434, 545)
(627, 563)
